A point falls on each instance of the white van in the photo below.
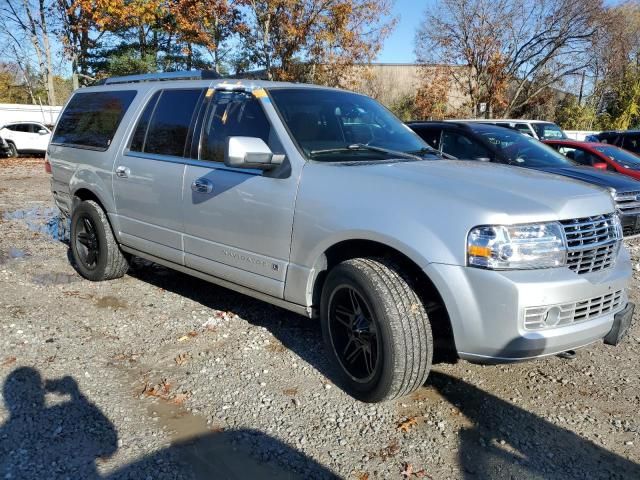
(538, 129)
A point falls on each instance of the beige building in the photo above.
(389, 83)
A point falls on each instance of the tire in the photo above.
(392, 322)
(13, 151)
(95, 251)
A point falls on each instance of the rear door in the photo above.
(147, 179)
(240, 229)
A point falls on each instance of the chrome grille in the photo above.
(628, 203)
(592, 242)
(536, 318)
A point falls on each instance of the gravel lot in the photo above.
(158, 375)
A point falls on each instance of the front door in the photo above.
(239, 227)
(147, 179)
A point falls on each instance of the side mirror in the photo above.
(42, 131)
(250, 152)
(600, 166)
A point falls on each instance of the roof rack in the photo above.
(156, 77)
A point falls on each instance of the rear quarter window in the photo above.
(91, 119)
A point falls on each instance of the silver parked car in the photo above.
(320, 201)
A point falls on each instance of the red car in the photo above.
(599, 155)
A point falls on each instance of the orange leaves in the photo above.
(407, 425)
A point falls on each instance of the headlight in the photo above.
(506, 247)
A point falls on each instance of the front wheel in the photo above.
(96, 253)
(376, 330)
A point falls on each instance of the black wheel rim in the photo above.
(354, 334)
(87, 244)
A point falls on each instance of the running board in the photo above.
(278, 302)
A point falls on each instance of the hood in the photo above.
(597, 177)
(481, 192)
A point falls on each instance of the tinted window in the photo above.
(548, 131)
(325, 123)
(523, 128)
(631, 143)
(623, 157)
(430, 135)
(233, 114)
(579, 156)
(461, 146)
(91, 119)
(169, 126)
(140, 135)
(518, 149)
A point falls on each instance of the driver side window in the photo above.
(234, 114)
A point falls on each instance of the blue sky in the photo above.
(398, 48)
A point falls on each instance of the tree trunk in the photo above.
(51, 91)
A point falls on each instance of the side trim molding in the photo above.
(278, 302)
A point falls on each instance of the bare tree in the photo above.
(514, 50)
(27, 20)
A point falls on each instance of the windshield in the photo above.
(518, 149)
(334, 126)
(623, 157)
(548, 131)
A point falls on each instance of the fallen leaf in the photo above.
(421, 474)
(363, 476)
(161, 390)
(8, 361)
(407, 424)
(291, 392)
(180, 398)
(407, 471)
(193, 333)
(182, 358)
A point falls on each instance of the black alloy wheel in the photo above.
(87, 243)
(354, 334)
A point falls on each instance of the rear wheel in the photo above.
(376, 330)
(96, 253)
(13, 151)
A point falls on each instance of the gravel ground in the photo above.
(158, 375)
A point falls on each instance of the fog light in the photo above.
(552, 316)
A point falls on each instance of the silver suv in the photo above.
(320, 201)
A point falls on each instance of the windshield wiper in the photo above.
(361, 146)
(433, 151)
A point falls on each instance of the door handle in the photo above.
(202, 185)
(122, 172)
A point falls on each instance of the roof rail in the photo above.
(155, 77)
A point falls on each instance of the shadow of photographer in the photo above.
(66, 440)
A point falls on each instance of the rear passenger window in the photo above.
(91, 119)
(234, 114)
(140, 135)
(168, 127)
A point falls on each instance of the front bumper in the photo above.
(487, 308)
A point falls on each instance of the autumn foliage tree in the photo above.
(314, 39)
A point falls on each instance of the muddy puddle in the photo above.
(13, 254)
(114, 303)
(55, 278)
(44, 220)
(215, 453)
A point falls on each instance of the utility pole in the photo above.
(581, 90)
